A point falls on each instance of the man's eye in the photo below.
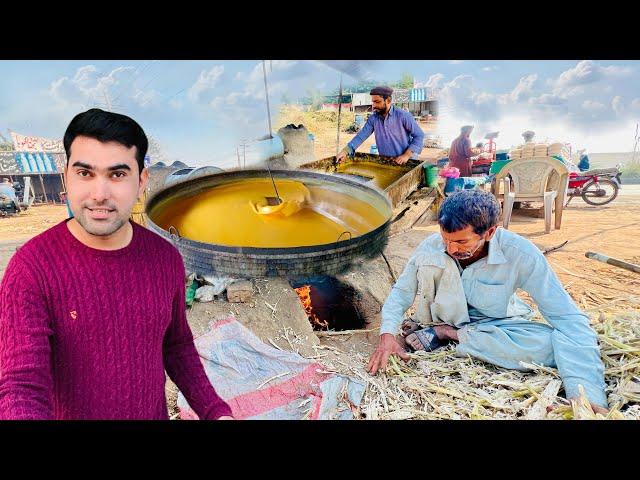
(83, 173)
(119, 174)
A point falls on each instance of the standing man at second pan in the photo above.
(396, 132)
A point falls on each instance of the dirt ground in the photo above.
(276, 316)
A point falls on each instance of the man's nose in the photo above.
(100, 190)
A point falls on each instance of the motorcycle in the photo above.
(596, 187)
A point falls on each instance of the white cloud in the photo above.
(617, 105)
(547, 99)
(490, 68)
(244, 110)
(593, 105)
(90, 88)
(205, 83)
(434, 81)
(524, 89)
(584, 73)
(456, 62)
(584, 103)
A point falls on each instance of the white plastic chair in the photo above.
(538, 179)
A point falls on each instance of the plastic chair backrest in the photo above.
(534, 176)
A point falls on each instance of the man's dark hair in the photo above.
(474, 208)
(107, 127)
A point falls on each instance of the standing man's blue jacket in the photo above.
(393, 134)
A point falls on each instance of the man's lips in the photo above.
(100, 212)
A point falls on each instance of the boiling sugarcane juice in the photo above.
(381, 175)
(230, 215)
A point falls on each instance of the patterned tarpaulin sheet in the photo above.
(262, 382)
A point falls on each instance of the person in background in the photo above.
(528, 136)
(396, 132)
(461, 155)
(7, 190)
(583, 164)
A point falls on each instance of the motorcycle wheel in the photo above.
(607, 192)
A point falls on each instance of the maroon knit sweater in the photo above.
(88, 334)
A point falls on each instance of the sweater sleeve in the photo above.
(182, 361)
(26, 378)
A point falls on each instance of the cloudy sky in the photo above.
(198, 111)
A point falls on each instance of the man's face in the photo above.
(103, 184)
(465, 244)
(380, 105)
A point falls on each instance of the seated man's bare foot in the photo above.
(431, 338)
(446, 332)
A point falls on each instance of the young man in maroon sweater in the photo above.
(92, 311)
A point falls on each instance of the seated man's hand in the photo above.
(388, 346)
(341, 155)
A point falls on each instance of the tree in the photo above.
(313, 98)
(406, 81)
(155, 151)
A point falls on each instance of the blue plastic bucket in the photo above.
(453, 184)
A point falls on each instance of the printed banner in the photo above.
(24, 143)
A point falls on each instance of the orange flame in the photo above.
(304, 293)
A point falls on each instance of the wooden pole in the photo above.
(613, 261)
(339, 114)
(44, 192)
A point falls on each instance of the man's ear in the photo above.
(491, 232)
(144, 179)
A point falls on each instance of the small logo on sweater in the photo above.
(73, 314)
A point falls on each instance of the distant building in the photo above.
(41, 159)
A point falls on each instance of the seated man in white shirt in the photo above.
(464, 279)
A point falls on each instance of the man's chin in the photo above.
(100, 228)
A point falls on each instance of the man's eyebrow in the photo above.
(82, 165)
(120, 166)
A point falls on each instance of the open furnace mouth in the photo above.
(330, 304)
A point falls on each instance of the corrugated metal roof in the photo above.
(16, 163)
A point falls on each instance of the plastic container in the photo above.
(431, 175)
(442, 161)
(373, 150)
(454, 184)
